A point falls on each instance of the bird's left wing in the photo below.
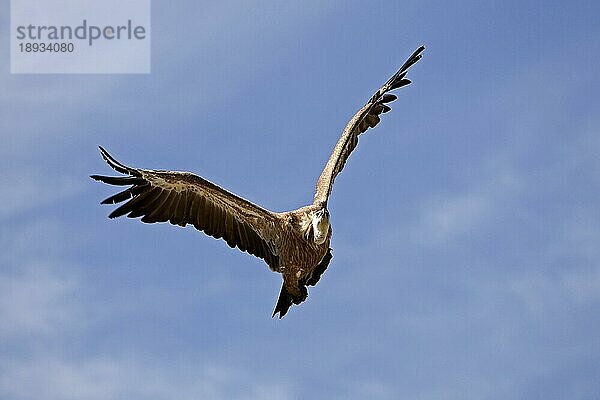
(184, 198)
(367, 117)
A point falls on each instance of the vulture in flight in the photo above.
(293, 243)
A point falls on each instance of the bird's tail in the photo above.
(286, 299)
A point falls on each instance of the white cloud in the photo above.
(23, 190)
(35, 301)
(372, 389)
(543, 295)
(442, 218)
(109, 378)
(38, 109)
(36, 284)
(41, 305)
(448, 216)
(568, 272)
(583, 286)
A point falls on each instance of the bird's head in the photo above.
(320, 225)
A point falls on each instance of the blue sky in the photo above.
(466, 225)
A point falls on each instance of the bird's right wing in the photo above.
(367, 117)
(184, 198)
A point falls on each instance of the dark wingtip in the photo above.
(397, 80)
(417, 52)
(120, 180)
(114, 164)
(119, 212)
(398, 84)
(414, 57)
(387, 98)
(104, 153)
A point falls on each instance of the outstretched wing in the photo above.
(367, 117)
(184, 198)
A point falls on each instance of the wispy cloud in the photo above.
(108, 378)
(42, 304)
(34, 300)
(452, 216)
(24, 190)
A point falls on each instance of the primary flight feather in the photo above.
(293, 243)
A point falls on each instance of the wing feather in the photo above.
(183, 198)
(367, 117)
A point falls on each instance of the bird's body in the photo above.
(299, 265)
(294, 243)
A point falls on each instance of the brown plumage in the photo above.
(293, 243)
